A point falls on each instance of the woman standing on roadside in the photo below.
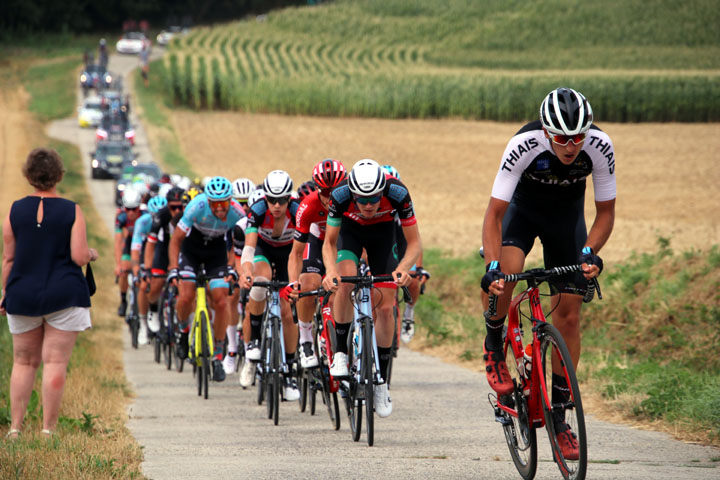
(45, 294)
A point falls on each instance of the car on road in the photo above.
(115, 126)
(148, 173)
(131, 43)
(110, 158)
(164, 37)
(90, 113)
(95, 76)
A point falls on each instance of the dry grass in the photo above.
(92, 441)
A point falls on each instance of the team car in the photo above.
(95, 76)
(147, 173)
(115, 126)
(131, 42)
(110, 157)
(164, 37)
(90, 113)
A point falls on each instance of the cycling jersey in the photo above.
(202, 226)
(261, 221)
(530, 172)
(123, 221)
(395, 199)
(311, 218)
(141, 230)
(239, 236)
(161, 230)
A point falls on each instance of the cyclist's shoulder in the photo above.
(341, 194)
(395, 189)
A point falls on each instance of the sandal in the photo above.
(47, 433)
(13, 434)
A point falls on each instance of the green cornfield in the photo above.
(475, 59)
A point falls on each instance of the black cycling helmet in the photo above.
(175, 194)
(565, 112)
(306, 189)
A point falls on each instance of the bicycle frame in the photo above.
(274, 314)
(363, 313)
(201, 306)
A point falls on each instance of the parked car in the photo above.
(131, 42)
(95, 76)
(90, 113)
(148, 173)
(115, 126)
(110, 157)
(164, 37)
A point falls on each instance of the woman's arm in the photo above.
(80, 253)
(8, 256)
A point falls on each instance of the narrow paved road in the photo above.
(441, 426)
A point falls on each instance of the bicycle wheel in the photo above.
(135, 317)
(564, 418)
(368, 379)
(277, 376)
(521, 437)
(157, 347)
(134, 328)
(303, 385)
(205, 352)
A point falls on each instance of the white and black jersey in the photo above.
(530, 172)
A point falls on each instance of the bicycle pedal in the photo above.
(501, 419)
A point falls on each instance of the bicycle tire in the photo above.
(157, 347)
(303, 385)
(552, 344)
(169, 332)
(368, 381)
(204, 353)
(277, 370)
(134, 331)
(355, 410)
(135, 317)
(521, 437)
(313, 399)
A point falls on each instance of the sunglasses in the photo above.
(133, 209)
(219, 204)
(242, 202)
(277, 200)
(563, 140)
(175, 208)
(368, 200)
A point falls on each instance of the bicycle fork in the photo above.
(362, 316)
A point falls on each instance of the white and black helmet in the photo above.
(278, 184)
(566, 112)
(132, 198)
(255, 196)
(242, 188)
(366, 178)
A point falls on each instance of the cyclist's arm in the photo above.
(119, 241)
(600, 231)
(412, 252)
(295, 260)
(329, 255)
(135, 260)
(174, 247)
(492, 237)
(149, 252)
(248, 255)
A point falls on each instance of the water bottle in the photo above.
(527, 364)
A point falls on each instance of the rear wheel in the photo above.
(564, 415)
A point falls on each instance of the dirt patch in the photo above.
(667, 179)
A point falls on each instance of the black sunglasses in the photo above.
(277, 200)
(175, 207)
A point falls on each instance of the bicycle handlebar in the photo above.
(368, 280)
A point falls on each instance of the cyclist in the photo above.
(306, 189)
(539, 191)
(305, 266)
(156, 248)
(200, 238)
(407, 326)
(362, 216)
(268, 240)
(139, 236)
(243, 188)
(124, 223)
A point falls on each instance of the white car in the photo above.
(131, 42)
(90, 113)
(165, 36)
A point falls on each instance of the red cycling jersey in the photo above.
(311, 218)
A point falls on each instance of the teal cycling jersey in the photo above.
(141, 230)
(202, 226)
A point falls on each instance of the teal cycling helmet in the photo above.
(218, 188)
(156, 203)
(392, 171)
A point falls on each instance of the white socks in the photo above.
(305, 331)
(232, 337)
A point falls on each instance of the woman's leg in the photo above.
(26, 360)
(56, 350)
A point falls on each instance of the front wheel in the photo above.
(564, 415)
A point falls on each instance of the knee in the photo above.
(258, 293)
(568, 321)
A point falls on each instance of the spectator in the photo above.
(145, 60)
(45, 294)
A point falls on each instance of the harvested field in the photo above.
(668, 178)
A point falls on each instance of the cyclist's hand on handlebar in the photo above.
(246, 282)
(591, 263)
(331, 282)
(422, 275)
(118, 270)
(172, 276)
(231, 275)
(402, 277)
(493, 282)
(293, 291)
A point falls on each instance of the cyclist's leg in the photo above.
(256, 301)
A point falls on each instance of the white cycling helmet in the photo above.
(131, 198)
(205, 181)
(242, 188)
(164, 189)
(278, 184)
(566, 112)
(185, 183)
(366, 178)
(255, 196)
(175, 178)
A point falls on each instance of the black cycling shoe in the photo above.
(182, 346)
(218, 371)
(122, 309)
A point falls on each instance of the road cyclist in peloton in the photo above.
(362, 216)
(124, 224)
(305, 265)
(268, 241)
(137, 254)
(539, 191)
(200, 238)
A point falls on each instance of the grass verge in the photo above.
(649, 348)
(92, 440)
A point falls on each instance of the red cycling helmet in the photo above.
(328, 174)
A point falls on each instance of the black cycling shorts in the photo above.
(213, 255)
(377, 239)
(312, 256)
(160, 257)
(562, 231)
(277, 257)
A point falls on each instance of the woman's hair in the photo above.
(43, 168)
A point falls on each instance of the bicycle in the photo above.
(166, 337)
(272, 367)
(530, 407)
(132, 316)
(364, 363)
(318, 379)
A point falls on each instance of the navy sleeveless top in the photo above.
(44, 278)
